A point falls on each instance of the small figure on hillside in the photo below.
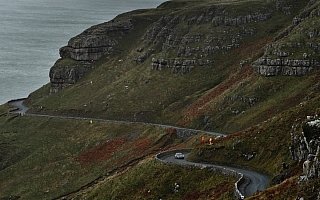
(241, 197)
(305, 55)
(288, 175)
(284, 165)
(210, 141)
(90, 121)
(202, 139)
(176, 187)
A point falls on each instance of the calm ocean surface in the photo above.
(32, 31)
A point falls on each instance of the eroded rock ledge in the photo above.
(96, 41)
(83, 49)
(63, 76)
(178, 65)
(280, 66)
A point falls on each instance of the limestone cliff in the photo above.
(96, 41)
(177, 40)
(84, 49)
(62, 74)
(295, 50)
(290, 67)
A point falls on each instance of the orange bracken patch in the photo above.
(101, 152)
(142, 144)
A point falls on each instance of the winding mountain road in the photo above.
(255, 181)
(22, 110)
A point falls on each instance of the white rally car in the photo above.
(179, 156)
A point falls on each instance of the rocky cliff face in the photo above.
(63, 76)
(96, 41)
(178, 65)
(228, 32)
(168, 33)
(183, 47)
(305, 148)
(290, 67)
(295, 50)
(91, 45)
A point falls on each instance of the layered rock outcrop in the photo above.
(63, 76)
(296, 54)
(167, 32)
(175, 64)
(178, 65)
(305, 148)
(96, 41)
(83, 49)
(173, 34)
(235, 21)
(274, 67)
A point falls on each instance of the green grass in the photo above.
(40, 157)
(66, 62)
(174, 91)
(42, 161)
(270, 140)
(153, 180)
(41, 154)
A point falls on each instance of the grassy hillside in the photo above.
(45, 158)
(48, 158)
(128, 88)
(42, 158)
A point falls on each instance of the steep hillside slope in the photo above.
(190, 63)
(247, 68)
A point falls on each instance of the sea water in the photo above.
(32, 31)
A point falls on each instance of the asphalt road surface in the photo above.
(258, 182)
(21, 109)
